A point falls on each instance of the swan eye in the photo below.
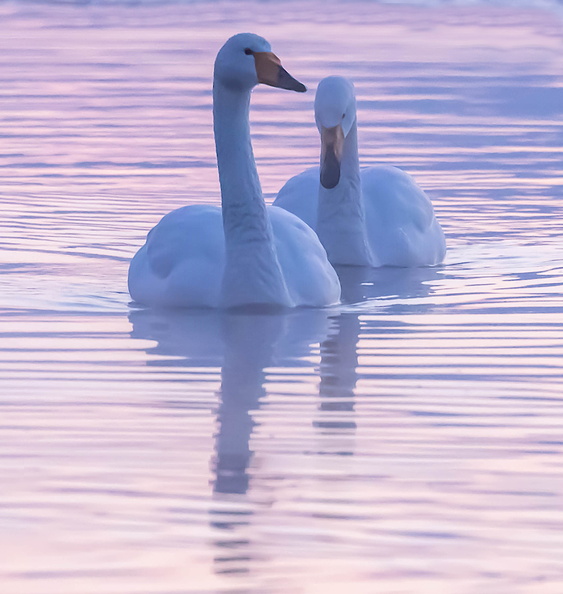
(343, 115)
(248, 51)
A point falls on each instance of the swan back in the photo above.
(400, 220)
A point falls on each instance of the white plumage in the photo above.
(243, 254)
(376, 216)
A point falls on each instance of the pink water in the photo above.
(407, 441)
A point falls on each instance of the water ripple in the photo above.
(408, 440)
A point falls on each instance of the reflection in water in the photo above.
(244, 345)
(249, 345)
(386, 283)
(338, 377)
(339, 356)
(450, 400)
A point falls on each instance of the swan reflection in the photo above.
(245, 347)
(336, 422)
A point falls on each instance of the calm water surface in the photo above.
(409, 441)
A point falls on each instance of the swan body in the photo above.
(376, 216)
(182, 264)
(244, 253)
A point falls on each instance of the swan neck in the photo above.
(350, 157)
(347, 193)
(341, 221)
(251, 258)
(238, 177)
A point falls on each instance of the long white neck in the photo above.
(252, 271)
(341, 224)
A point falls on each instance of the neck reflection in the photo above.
(335, 423)
(249, 345)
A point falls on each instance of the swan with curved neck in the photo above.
(376, 216)
(245, 253)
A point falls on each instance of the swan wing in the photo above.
(401, 225)
(310, 278)
(300, 195)
(182, 261)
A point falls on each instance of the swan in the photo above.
(374, 217)
(243, 253)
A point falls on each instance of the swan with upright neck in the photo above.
(245, 253)
(376, 216)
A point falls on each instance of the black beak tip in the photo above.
(330, 179)
(286, 81)
(330, 169)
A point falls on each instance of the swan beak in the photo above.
(270, 72)
(332, 145)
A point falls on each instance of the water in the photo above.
(407, 441)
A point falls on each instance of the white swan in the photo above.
(243, 254)
(374, 217)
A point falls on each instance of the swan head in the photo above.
(335, 114)
(246, 60)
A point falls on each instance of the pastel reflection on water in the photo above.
(408, 440)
